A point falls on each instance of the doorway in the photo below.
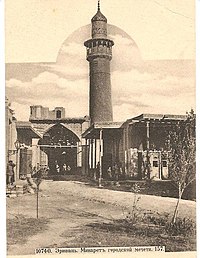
(60, 145)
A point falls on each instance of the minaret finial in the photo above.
(98, 5)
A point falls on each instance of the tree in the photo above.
(182, 155)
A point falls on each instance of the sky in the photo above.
(153, 66)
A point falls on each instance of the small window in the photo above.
(155, 163)
(164, 163)
(58, 114)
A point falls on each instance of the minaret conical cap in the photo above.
(99, 16)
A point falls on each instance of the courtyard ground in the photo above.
(75, 214)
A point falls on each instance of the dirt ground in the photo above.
(69, 207)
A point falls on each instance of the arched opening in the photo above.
(60, 145)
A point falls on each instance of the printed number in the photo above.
(43, 251)
(159, 248)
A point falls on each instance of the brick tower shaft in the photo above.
(99, 55)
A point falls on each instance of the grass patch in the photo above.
(150, 230)
(117, 233)
(20, 228)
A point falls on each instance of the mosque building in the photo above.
(50, 138)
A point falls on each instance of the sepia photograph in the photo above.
(100, 108)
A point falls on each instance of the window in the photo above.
(155, 163)
(58, 114)
(164, 163)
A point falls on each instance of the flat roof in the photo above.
(61, 120)
(158, 117)
(23, 124)
(102, 125)
(143, 117)
(107, 124)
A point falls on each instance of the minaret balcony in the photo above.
(99, 48)
(95, 52)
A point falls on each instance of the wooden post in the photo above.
(95, 153)
(147, 135)
(148, 158)
(77, 154)
(100, 157)
(127, 148)
(37, 207)
(91, 142)
(87, 157)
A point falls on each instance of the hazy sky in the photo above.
(152, 66)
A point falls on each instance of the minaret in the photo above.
(99, 55)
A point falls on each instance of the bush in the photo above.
(184, 227)
(156, 218)
(135, 215)
(155, 221)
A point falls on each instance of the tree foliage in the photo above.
(182, 154)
